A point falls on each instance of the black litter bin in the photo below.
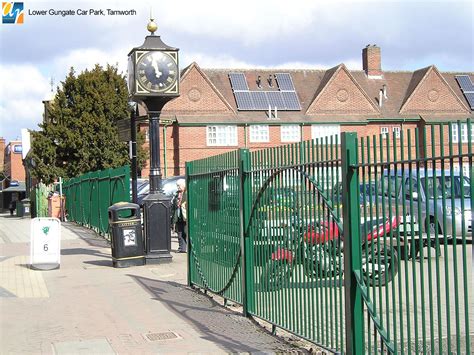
(19, 209)
(126, 235)
(26, 207)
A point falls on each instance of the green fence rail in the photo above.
(89, 196)
(360, 246)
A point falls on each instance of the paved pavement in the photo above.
(89, 307)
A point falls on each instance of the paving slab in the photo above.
(87, 306)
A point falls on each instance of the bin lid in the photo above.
(119, 206)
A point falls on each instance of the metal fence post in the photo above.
(352, 255)
(190, 220)
(245, 204)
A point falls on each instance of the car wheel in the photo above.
(433, 227)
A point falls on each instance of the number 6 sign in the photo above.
(45, 246)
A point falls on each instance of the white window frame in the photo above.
(290, 133)
(384, 131)
(259, 134)
(464, 137)
(221, 136)
(397, 130)
(322, 131)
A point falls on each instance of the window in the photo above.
(387, 131)
(396, 131)
(290, 133)
(319, 131)
(259, 134)
(455, 132)
(221, 135)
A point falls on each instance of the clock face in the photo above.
(157, 71)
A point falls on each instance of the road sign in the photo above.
(45, 246)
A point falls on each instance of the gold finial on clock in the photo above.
(152, 26)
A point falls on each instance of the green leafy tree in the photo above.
(142, 154)
(80, 134)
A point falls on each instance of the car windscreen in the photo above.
(453, 188)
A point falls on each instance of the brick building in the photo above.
(14, 169)
(223, 109)
(13, 186)
(2, 156)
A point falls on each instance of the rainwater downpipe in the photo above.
(165, 125)
(245, 136)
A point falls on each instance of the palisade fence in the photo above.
(39, 199)
(358, 247)
(89, 196)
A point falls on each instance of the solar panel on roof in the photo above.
(276, 100)
(238, 81)
(465, 83)
(470, 99)
(291, 100)
(467, 88)
(260, 100)
(244, 100)
(284, 99)
(284, 81)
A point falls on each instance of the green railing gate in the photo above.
(359, 247)
(215, 225)
(89, 196)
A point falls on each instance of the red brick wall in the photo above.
(2, 154)
(341, 96)
(187, 143)
(172, 138)
(197, 96)
(433, 95)
(13, 163)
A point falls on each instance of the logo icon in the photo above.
(12, 12)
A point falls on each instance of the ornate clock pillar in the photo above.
(153, 79)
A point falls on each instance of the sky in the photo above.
(310, 34)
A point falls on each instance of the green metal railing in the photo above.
(39, 199)
(424, 180)
(360, 246)
(89, 196)
(215, 225)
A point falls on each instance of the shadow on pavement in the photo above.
(103, 259)
(88, 235)
(107, 263)
(83, 251)
(231, 331)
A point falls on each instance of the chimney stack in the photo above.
(372, 61)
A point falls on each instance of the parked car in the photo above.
(367, 193)
(444, 204)
(140, 184)
(168, 187)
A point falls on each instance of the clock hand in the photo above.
(154, 63)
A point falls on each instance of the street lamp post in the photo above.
(153, 78)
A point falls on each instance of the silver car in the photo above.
(441, 198)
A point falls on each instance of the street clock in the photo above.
(153, 80)
(153, 69)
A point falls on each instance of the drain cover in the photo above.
(161, 336)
